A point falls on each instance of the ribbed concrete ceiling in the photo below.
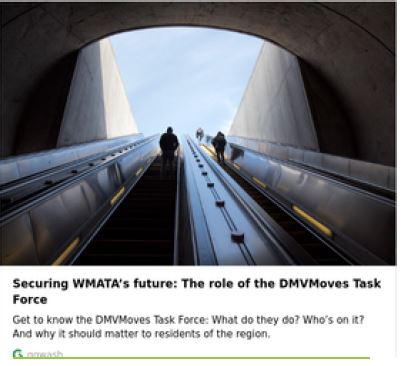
(350, 45)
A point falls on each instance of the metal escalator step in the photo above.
(137, 233)
(141, 230)
(128, 260)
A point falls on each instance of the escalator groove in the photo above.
(141, 230)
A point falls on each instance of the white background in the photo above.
(374, 338)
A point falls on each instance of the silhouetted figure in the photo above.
(219, 143)
(199, 134)
(168, 143)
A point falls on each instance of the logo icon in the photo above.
(17, 353)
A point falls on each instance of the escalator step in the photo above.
(141, 230)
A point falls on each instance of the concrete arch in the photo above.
(347, 49)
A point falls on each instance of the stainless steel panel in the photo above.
(67, 212)
(17, 242)
(131, 162)
(311, 158)
(58, 220)
(374, 174)
(280, 152)
(225, 250)
(108, 181)
(8, 171)
(336, 164)
(53, 225)
(364, 224)
(21, 166)
(76, 204)
(295, 154)
(93, 196)
(257, 246)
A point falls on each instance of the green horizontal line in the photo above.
(200, 358)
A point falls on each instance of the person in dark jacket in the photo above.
(168, 143)
(219, 143)
(199, 134)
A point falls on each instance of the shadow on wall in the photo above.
(334, 131)
(37, 129)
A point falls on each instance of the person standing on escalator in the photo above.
(168, 144)
(219, 143)
(199, 134)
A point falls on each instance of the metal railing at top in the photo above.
(19, 167)
(18, 192)
(375, 175)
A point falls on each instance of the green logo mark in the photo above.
(17, 353)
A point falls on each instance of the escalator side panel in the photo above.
(18, 245)
(358, 219)
(306, 240)
(65, 215)
(128, 166)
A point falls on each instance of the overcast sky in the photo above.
(185, 77)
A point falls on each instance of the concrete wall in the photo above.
(97, 106)
(275, 106)
(351, 46)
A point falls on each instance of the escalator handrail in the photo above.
(362, 186)
(36, 198)
(177, 209)
(47, 173)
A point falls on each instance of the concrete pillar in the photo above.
(97, 106)
(275, 106)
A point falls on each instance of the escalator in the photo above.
(321, 253)
(141, 230)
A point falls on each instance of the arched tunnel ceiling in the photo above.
(350, 45)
